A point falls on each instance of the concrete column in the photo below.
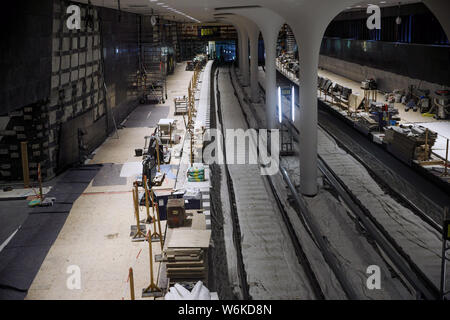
(270, 24)
(306, 121)
(270, 40)
(239, 44)
(308, 20)
(254, 36)
(251, 31)
(244, 59)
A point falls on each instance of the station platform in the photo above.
(95, 236)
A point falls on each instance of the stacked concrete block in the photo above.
(25, 125)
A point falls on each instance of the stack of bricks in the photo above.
(29, 124)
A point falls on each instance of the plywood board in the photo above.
(189, 239)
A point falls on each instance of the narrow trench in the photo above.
(218, 269)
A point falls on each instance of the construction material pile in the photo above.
(186, 256)
(198, 292)
(367, 123)
(185, 265)
(289, 62)
(411, 142)
(196, 173)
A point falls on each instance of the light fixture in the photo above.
(293, 103)
(279, 105)
(399, 19)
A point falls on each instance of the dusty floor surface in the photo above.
(95, 237)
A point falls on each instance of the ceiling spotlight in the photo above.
(399, 19)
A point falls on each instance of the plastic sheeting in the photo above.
(199, 292)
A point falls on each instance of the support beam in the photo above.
(270, 24)
(271, 78)
(308, 20)
(243, 48)
(254, 37)
(441, 9)
(306, 122)
(245, 70)
(239, 44)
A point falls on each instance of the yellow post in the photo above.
(446, 161)
(184, 120)
(136, 212)
(155, 234)
(159, 226)
(41, 194)
(25, 169)
(131, 279)
(153, 201)
(152, 288)
(192, 148)
(147, 205)
(157, 155)
(170, 134)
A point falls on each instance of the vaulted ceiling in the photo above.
(196, 11)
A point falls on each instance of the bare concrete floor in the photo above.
(406, 117)
(95, 237)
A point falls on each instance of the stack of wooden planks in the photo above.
(186, 256)
(186, 265)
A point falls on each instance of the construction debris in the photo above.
(409, 143)
(198, 292)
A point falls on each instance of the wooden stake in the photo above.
(170, 135)
(25, 168)
(135, 192)
(131, 279)
(184, 120)
(446, 161)
(41, 194)
(147, 205)
(155, 234)
(157, 155)
(152, 288)
(192, 148)
(161, 240)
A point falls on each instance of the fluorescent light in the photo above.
(293, 103)
(279, 105)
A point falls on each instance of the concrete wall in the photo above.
(121, 61)
(25, 54)
(394, 66)
(425, 62)
(387, 81)
(63, 90)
